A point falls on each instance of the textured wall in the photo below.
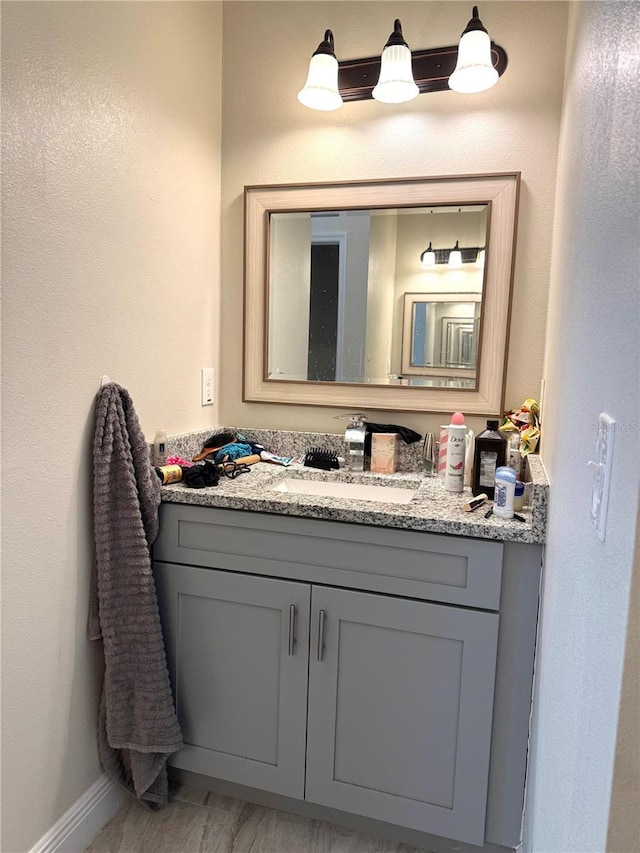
(592, 364)
(110, 264)
(268, 137)
(624, 817)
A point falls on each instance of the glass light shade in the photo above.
(428, 258)
(395, 84)
(474, 71)
(320, 92)
(455, 256)
(480, 258)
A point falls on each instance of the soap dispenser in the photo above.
(354, 436)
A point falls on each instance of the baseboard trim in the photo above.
(78, 826)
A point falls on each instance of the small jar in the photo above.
(505, 487)
(169, 474)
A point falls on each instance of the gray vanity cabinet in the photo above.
(237, 648)
(351, 670)
(400, 710)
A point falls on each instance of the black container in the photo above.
(491, 449)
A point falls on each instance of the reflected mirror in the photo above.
(440, 336)
(383, 295)
(337, 282)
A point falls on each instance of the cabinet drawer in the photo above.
(398, 562)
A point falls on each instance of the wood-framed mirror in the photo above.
(331, 268)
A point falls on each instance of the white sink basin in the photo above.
(354, 491)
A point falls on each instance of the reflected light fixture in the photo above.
(320, 92)
(474, 70)
(395, 84)
(428, 257)
(400, 74)
(455, 256)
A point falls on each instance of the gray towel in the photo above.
(137, 725)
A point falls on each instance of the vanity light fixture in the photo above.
(395, 84)
(320, 92)
(455, 256)
(400, 74)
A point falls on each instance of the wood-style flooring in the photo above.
(202, 822)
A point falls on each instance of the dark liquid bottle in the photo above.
(490, 453)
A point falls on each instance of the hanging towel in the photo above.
(137, 725)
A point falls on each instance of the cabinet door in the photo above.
(400, 708)
(238, 649)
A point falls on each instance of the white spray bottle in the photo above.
(469, 457)
(456, 450)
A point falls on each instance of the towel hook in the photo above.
(104, 381)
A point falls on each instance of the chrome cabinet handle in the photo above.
(322, 618)
(292, 629)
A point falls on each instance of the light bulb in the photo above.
(474, 71)
(428, 257)
(320, 92)
(395, 84)
(455, 256)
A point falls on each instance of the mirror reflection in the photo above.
(440, 337)
(379, 297)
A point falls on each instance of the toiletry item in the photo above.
(456, 448)
(159, 448)
(514, 457)
(489, 513)
(169, 474)
(469, 456)
(490, 454)
(267, 456)
(505, 486)
(384, 453)
(318, 457)
(354, 436)
(519, 517)
(442, 450)
(518, 496)
(430, 455)
(474, 503)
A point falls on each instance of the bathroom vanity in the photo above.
(353, 660)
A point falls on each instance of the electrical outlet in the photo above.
(601, 468)
(207, 386)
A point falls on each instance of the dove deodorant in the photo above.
(456, 449)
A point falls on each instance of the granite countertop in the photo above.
(432, 509)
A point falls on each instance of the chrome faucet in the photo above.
(354, 437)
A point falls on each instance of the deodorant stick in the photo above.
(505, 487)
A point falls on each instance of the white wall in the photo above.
(268, 138)
(382, 253)
(290, 267)
(592, 364)
(111, 175)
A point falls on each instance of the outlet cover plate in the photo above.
(207, 386)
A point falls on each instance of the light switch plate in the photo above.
(601, 468)
(207, 386)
